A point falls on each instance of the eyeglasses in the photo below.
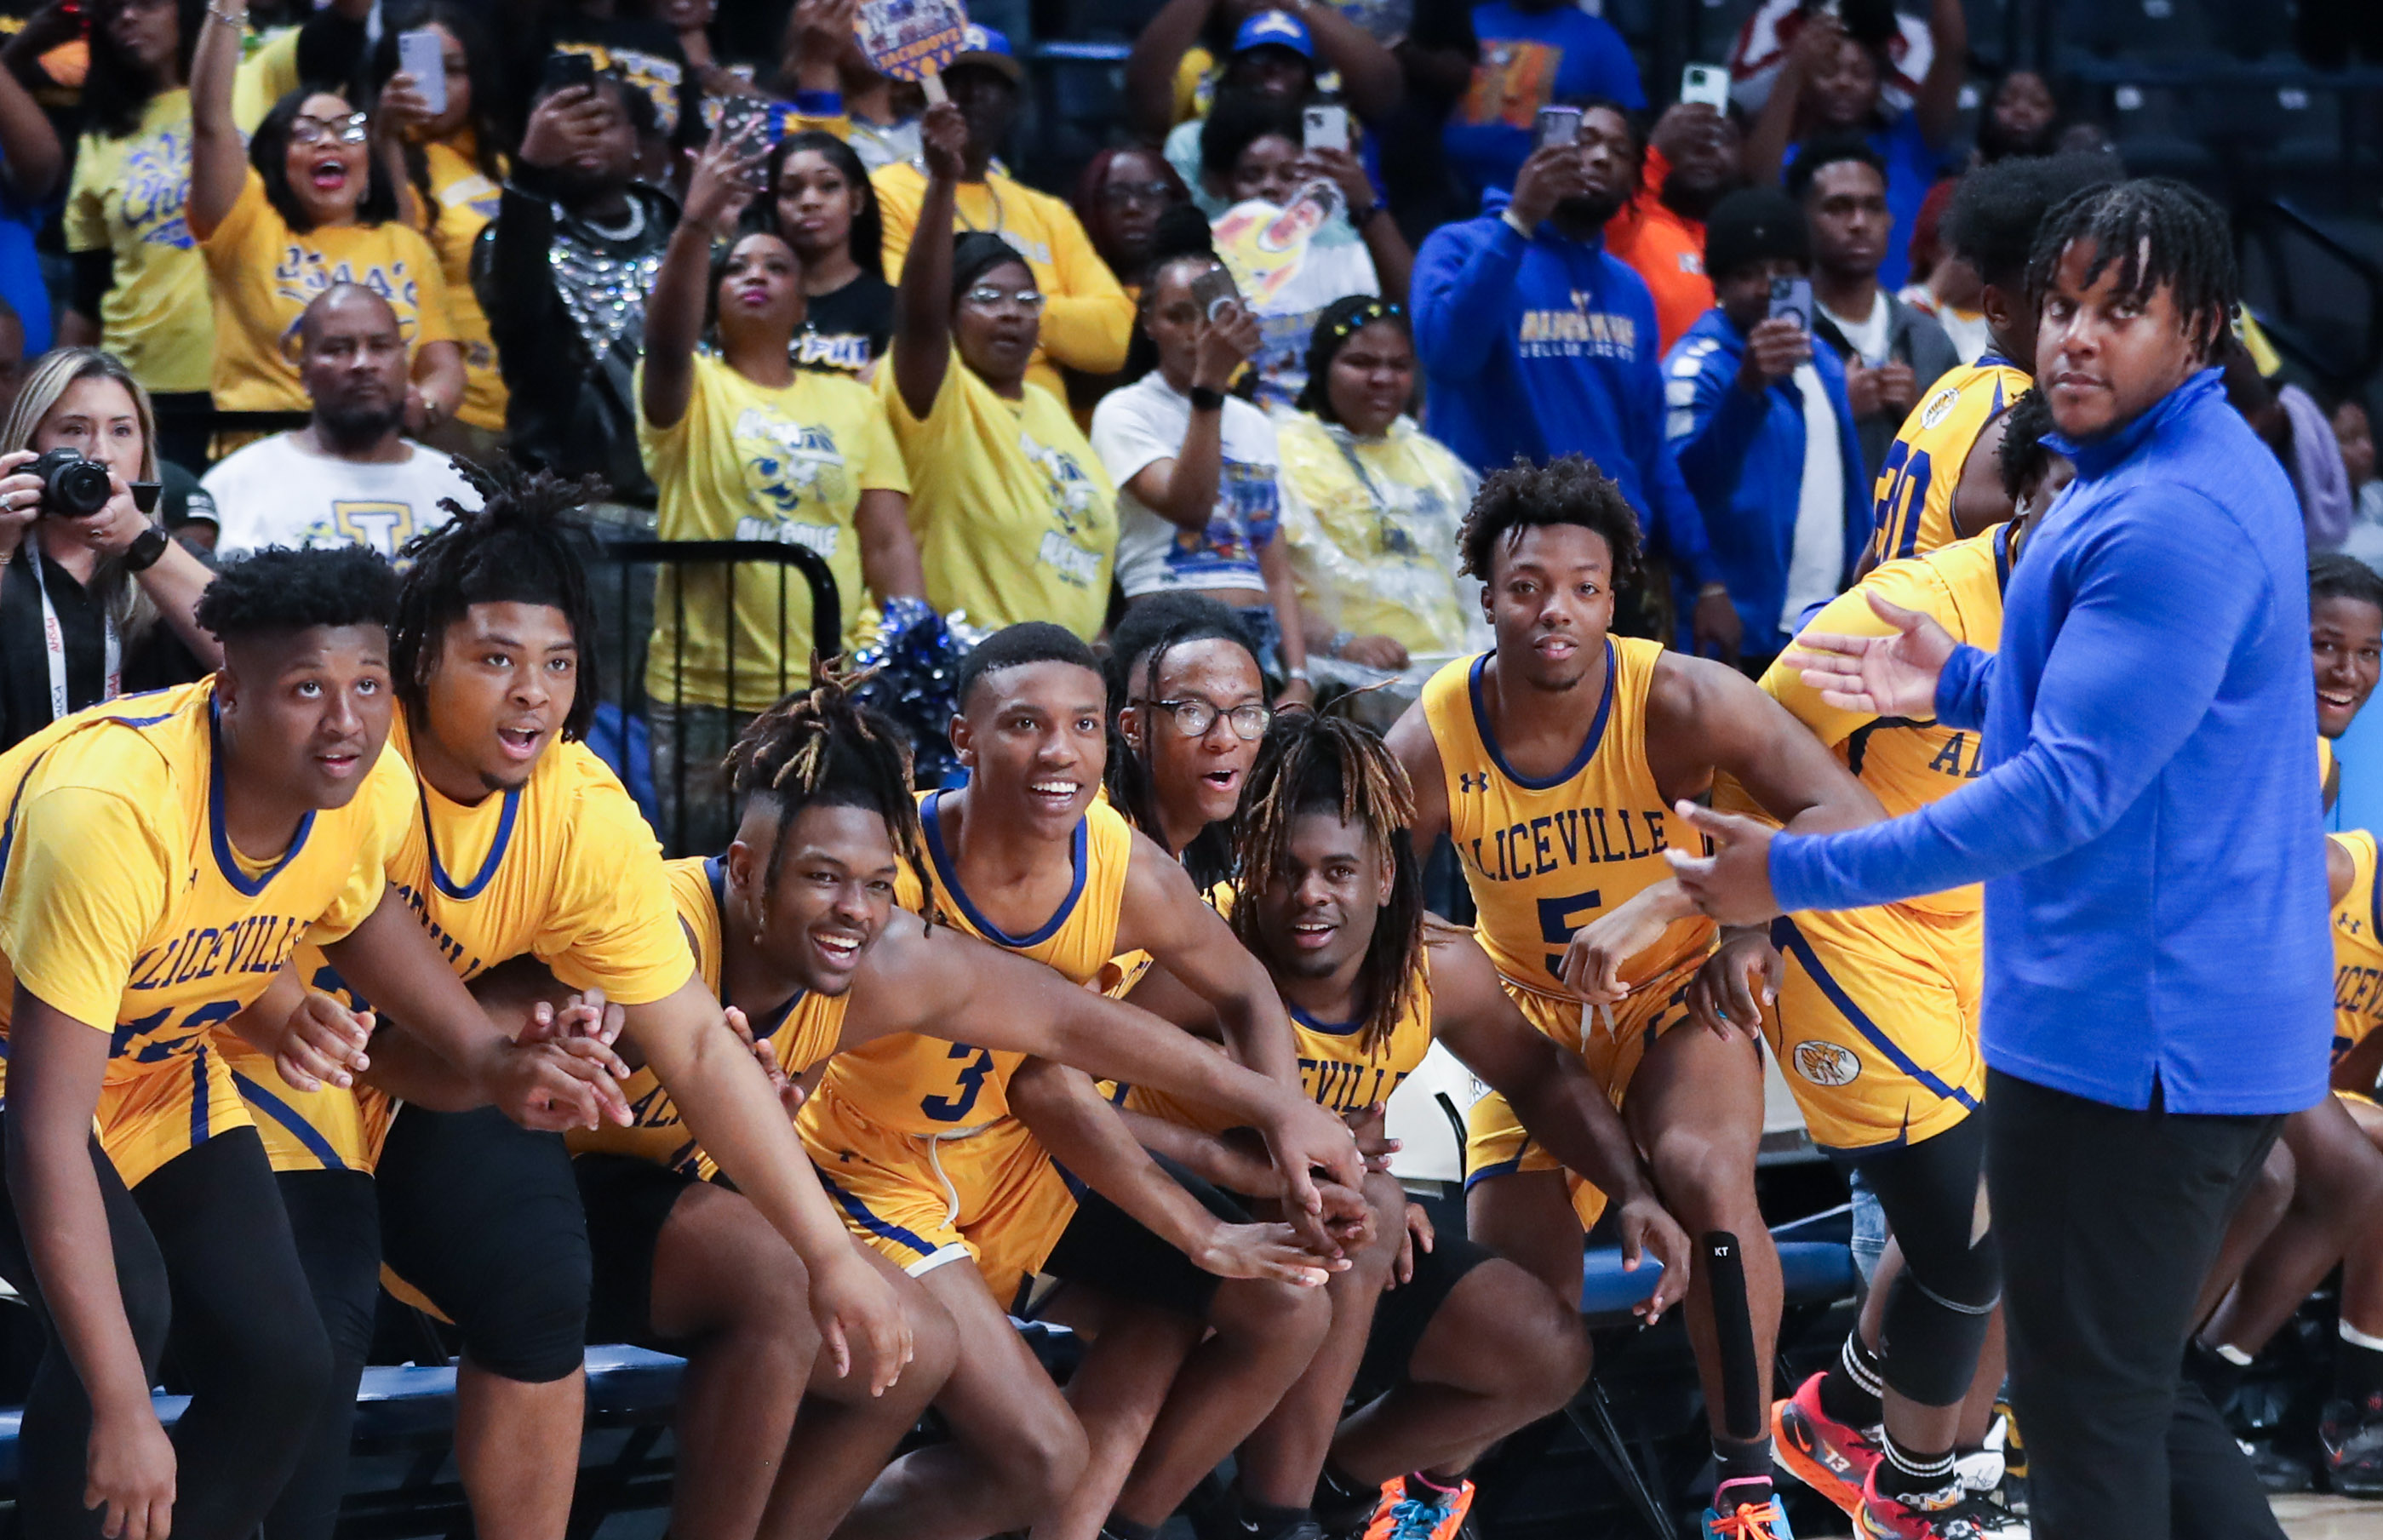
(985, 296)
(1193, 718)
(1138, 192)
(350, 130)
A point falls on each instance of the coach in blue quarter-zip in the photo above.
(2157, 969)
(1536, 342)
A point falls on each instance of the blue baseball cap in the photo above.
(1275, 29)
(985, 46)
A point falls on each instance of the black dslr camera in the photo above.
(73, 485)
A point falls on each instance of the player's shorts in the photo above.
(627, 1200)
(1876, 1028)
(1105, 1248)
(1495, 1141)
(993, 1195)
(149, 1113)
(1405, 1313)
(328, 1129)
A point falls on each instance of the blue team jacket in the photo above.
(1743, 459)
(1545, 348)
(2147, 824)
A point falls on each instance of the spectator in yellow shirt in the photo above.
(745, 446)
(453, 166)
(309, 205)
(1014, 517)
(1086, 316)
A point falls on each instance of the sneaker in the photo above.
(1827, 1456)
(1986, 1476)
(2003, 1435)
(1435, 1514)
(1951, 1513)
(1762, 1521)
(2352, 1438)
(2281, 1474)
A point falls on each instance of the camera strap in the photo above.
(53, 644)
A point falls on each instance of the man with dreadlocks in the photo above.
(795, 930)
(524, 844)
(2157, 963)
(1465, 1347)
(1551, 760)
(917, 1137)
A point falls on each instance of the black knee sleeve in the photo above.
(1935, 1328)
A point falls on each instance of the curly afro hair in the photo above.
(277, 589)
(2024, 457)
(1996, 209)
(1567, 490)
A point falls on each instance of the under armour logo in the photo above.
(1468, 781)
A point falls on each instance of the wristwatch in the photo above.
(146, 548)
(1205, 398)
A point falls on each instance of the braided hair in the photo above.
(1153, 628)
(1310, 763)
(820, 747)
(521, 545)
(2156, 232)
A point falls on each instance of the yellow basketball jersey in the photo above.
(803, 1032)
(1906, 763)
(910, 1084)
(1337, 1069)
(1912, 511)
(564, 869)
(123, 902)
(2357, 947)
(1545, 857)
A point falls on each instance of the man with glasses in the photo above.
(1199, 501)
(350, 476)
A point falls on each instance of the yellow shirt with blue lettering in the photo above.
(2357, 947)
(563, 869)
(1907, 764)
(465, 199)
(909, 1084)
(802, 1031)
(749, 462)
(1913, 497)
(124, 903)
(1544, 857)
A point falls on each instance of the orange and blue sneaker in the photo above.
(1952, 1512)
(1421, 1509)
(1830, 1457)
(1735, 1517)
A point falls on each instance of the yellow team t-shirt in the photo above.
(466, 200)
(802, 1031)
(265, 274)
(564, 869)
(1906, 764)
(1087, 315)
(1913, 497)
(124, 903)
(1014, 517)
(2357, 947)
(752, 462)
(1545, 857)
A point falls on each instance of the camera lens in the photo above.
(72, 487)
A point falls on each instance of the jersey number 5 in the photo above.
(951, 1109)
(1556, 923)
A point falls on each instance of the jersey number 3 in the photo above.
(1556, 923)
(952, 1108)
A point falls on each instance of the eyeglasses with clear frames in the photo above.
(1194, 718)
(986, 297)
(1138, 192)
(353, 129)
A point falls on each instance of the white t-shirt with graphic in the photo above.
(274, 493)
(1145, 422)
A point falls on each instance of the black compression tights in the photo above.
(336, 1220)
(202, 1246)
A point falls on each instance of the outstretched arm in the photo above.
(716, 194)
(923, 301)
(218, 157)
(1165, 917)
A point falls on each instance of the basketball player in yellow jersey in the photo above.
(162, 856)
(915, 1138)
(1941, 480)
(525, 845)
(1552, 761)
(1465, 1347)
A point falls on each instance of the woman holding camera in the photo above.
(102, 596)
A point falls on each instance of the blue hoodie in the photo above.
(1548, 346)
(1743, 458)
(2147, 824)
